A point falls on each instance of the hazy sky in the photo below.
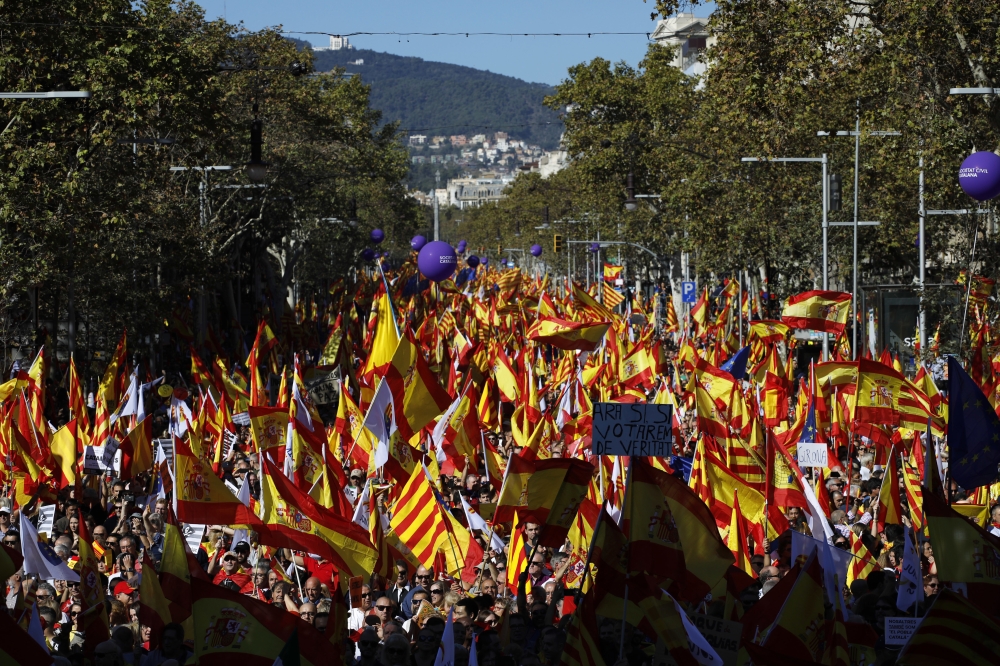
(540, 59)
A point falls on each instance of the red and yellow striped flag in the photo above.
(863, 562)
(517, 554)
(417, 519)
(952, 632)
(562, 334)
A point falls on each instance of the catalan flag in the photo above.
(417, 397)
(799, 631)
(952, 632)
(562, 334)
(612, 297)
(890, 508)
(863, 563)
(818, 311)
(417, 519)
(581, 647)
(517, 553)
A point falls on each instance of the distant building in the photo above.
(418, 139)
(419, 159)
(336, 44)
(458, 140)
(359, 61)
(688, 35)
(436, 159)
(500, 136)
(438, 140)
(479, 138)
(474, 192)
(552, 162)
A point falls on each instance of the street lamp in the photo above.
(826, 204)
(857, 157)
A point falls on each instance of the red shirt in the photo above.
(323, 571)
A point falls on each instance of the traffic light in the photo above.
(557, 243)
(835, 192)
(499, 249)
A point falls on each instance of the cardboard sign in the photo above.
(632, 429)
(899, 629)
(46, 519)
(110, 449)
(323, 387)
(93, 460)
(354, 584)
(812, 454)
(242, 419)
(722, 635)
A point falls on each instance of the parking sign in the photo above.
(689, 293)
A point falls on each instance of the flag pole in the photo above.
(590, 553)
(628, 549)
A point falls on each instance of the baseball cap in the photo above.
(123, 588)
(4, 508)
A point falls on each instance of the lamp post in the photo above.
(857, 169)
(826, 204)
(53, 94)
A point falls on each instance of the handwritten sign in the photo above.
(812, 454)
(899, 629)
(722, 635)
(92, 460)
(110, 449)
(632, 429)
(323, 387)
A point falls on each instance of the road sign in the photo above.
(621, 429)
(689, 292)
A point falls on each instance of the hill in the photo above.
(437, 98)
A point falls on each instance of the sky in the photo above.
(535, 59)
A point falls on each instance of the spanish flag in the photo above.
(674, 535)
(137, 448)
(612, 273)
(201, 497)
(799, 631)
(877, 393)
(235, 628)
(417, 397)
(154, 612)
(768, 331)
(267, 425)
(514, 492)
(555, 492)
(562, 334)
(699, 314)
(818, 310)
(64, 452)
(295, 521)
(890, 509)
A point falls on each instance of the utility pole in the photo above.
(437, 222)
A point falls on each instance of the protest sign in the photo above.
(899, 629)
(811, 454)
(632, 429)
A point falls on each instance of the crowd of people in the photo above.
(507, 595)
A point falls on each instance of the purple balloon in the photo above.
(377, 236)
(485, 261)
(367, 254)
(418, 242)
(437, 261)
(536, 250)
(462, 244)
(473, 261)
(979, 175)
(595, 247)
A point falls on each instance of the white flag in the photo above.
(476, 522)
(40, 559)
(700, 649)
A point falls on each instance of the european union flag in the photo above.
(737, 365)
(973, 431)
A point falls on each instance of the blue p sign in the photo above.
(689, 293)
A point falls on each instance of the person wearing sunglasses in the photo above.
(437, 595)
(401, 585)
(354, 484)
(4, 519)
(384, 609)
(356, 616)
